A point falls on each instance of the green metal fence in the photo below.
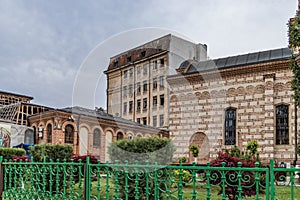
(70, 180)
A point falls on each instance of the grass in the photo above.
(282, 192)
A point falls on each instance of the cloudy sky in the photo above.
(43, 44)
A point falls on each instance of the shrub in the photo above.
(54, 153)
(195, 150)
(77, 158)
(186, 177)
(22, 158)
(182, 160)
(153, 149)
(231, 178)
(8, 153)
(50, 151)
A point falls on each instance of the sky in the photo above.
(44, 45)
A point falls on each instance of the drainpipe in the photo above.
(296, 136)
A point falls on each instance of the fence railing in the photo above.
(78, 180)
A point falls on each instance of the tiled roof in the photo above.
(100, 115)
(236, 61)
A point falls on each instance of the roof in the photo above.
(101, 115)
(236, 61)
(15, 94)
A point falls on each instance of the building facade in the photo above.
(230, 101)
(88, 131)
(136, 79)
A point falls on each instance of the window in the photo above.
(161, 120)
(49, 133)
(162, 100)
(138, 88)
(143, 53)
(69, 134)
(116, 63)
(154, 84)
(230, 126)
(29, 136)
(144, 120)
(130, 106)
(159, 47)
(154, 121)
(145, 86)
(129, 59)
(282, 124)
(145, 69)
(131, 72)
(96, 137)
(138, 107)
(125, 73)
(138, 71)
(138, 120)
(125, 107)
(145, 104)
(154, 101)
(124, 91)
(162, 62)
(129, 137)
(130, 90)
(155, 65)
(161, 82)
(120, 136)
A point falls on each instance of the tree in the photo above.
(294, 44)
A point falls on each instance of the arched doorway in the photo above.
(108, 141)
(202, 142)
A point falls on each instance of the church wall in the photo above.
(198, 103)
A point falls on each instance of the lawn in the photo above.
(282, 192)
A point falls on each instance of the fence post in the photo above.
(87, 179)
(272, 178)
(1, 177)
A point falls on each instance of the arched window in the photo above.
(49, 133)
(120, 136)
(282, 124)
(230, 126)
(96, 137)
(69, 134)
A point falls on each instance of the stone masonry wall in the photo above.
(198, 103)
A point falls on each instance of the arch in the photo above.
(259, 89)
(120, 136)
(129, 135)
(231, 92)
(119, 131)
(250, 89)
(139, 135)
(200, 140)
(109, 130)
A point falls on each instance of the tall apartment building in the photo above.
(137, 89)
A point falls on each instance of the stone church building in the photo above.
(219, 103)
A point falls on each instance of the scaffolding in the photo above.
(19, 112)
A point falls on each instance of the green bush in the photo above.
(152, 149)
(8, 153)
(51, 151)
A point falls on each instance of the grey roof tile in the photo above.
(240, 60)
